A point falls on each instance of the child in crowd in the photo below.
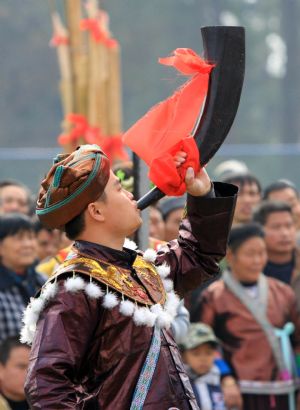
(214, 387)
(14, 361)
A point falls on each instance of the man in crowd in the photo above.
(47, 242)
(249, 195)
(14, 197)
(104, 318)
(172, 210)
(285, 191)
(14, 360)
(278, 223)
(18, 279)
(253, 316)
(156, 224)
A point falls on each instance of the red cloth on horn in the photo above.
(155, 136)
(163, 171)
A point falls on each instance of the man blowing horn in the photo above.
(100, 327)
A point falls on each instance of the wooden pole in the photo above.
(97, 74)
(64, 62)
(114, 97)
(78, 55)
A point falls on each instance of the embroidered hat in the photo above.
(198, 334)
(74, 181)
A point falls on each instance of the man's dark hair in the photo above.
(11, 182)
(241, 233)
(13, 223)
(170, 204)
(279, 185)
(7, 346)
(242, 179)
(265, 208)
(76, 226)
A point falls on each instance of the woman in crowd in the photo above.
(18, 279)
(255, 317)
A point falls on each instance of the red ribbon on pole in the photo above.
(58, 40)
(112, 145)
(99, 35)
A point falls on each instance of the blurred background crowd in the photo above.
(240, 335)
(222, 327)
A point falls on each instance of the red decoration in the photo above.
(163, 172)
(111, 145)
(99, 34)
(167, 126)
(58, 40)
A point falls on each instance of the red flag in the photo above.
(164, 128)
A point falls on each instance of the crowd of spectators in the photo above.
(242, 347)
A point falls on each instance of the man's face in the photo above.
(289, 196)
(248, 197)
(200, 359)
(280, 232)
(156, 224)
(122, 216)
(248, 261)
(172, 223)
(47, 245)
(18, 252)
(13, 373)
(14, 199)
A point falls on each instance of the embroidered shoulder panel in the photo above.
(120, 279)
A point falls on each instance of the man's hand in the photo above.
(196, 185)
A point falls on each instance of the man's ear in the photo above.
(94, 211)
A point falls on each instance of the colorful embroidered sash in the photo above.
(146, 375)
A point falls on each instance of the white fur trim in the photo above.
(126, 308)
(163, 270)
(74, 284)
(37, 305)
(150, 318)
(110, 300)
(150, 255)
(172, 303)
(168, 285)
(26, 336)
(32, 312)
(129, 244)
(140, 316)
(93, 291)
(156, 309)
(30, 317)
(164, 320)
(50, 290)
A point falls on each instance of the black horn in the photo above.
(224, 47)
